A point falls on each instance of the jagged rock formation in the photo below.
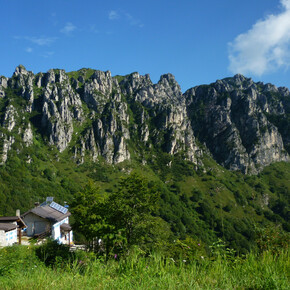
(163, 109)
(230, 116)
(244, 125)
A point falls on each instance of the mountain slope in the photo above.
(91, 112)
(212, 150)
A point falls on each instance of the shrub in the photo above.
(272, 239)
(54, 254)
(187, 250)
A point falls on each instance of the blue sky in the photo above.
(197, 41)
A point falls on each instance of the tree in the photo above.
(121, 219)
(87, 209)
(131, 206)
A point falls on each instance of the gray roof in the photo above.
(65, 227)
(48, 212)
(7, 227)
(11, 219)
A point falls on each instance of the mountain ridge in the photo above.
(237, 121)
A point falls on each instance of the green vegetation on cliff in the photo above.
(206, 204)
(62, 131)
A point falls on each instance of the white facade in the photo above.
(8, 238)
(59, 235)
(37, 225)
(49, 219)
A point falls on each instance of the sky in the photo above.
(197, 41)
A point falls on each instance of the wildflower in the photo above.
(202, 257)
(115, 256)
(184, 261)
(198, 244)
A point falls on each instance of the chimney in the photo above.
(36, 203)
(18, 212)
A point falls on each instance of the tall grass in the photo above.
(265, 271)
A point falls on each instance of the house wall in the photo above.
(35, 224)
(2, 239)
(56, 232)
(8, 238)
(56, 235)
(11, 237)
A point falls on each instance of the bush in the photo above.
(188, 250)
(54, 254)
(272, 239)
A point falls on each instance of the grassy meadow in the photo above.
(22, 267)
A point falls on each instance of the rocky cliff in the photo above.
(90, 114)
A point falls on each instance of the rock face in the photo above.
(162, 114)
(232, 116)
(60, 105)
(244, 125)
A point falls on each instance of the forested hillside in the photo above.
(217, 154)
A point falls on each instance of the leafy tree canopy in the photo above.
(123, 218)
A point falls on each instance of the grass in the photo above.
(264, 271)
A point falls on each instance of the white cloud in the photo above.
(286, 3)
(29, 49)
(265, 47)
(113, 15)
(133, 21)
(68, 28)
(41, 41)
(47, 54)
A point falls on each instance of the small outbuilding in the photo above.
(10, 230)
(8, 234)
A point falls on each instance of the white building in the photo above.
(10, 230)
(49, 220)
(8, 234)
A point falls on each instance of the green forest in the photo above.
(206, 204)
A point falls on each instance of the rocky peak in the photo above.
(239, 78)
(168, 80)
(134, 82)
(3, 82)
(90, 113)
(20, 70)
(22, 79)
(230, 117)
(270, 88)
(49, 77)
